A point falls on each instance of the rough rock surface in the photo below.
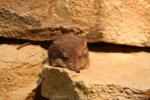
(116, 21)
(19, 70)
(110, 76)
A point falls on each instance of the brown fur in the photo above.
(69, 51)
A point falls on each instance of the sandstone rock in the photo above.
(111, 76)
(19, 70)
(118, 21)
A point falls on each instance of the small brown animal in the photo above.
(69, 51)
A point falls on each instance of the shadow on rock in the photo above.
(13, 41)
(57, 85)
(36, 95)
(108, 47)
(97, 47)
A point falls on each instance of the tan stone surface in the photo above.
(110, 75)
(114, 72)
(115, 21)
(19, 70)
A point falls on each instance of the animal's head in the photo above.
(69, 51)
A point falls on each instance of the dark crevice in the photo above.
(96, 47)
(36, 95)
(44, 44)
(108, 47)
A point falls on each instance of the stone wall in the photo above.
(118, 21)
